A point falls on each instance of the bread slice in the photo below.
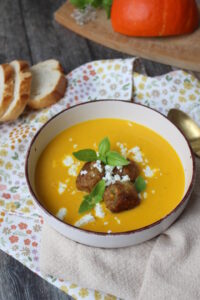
(6, 86)
(50, 64)
(48, 84)
(21, 94)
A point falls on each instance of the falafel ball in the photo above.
(89, 176)
(131, 170)
(121, 196)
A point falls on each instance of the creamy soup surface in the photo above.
(159, 165)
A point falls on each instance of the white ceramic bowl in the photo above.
(120, 110)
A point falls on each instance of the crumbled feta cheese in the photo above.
(125, 178)
(145, 195)
(110, 178)
(118, 220)
(109, 168)
(105, 223)
(148, 172)
(61, 213)
(117, 177)
(134, 150)
(83, 172)
(75, 146)
(70, 139)
(109, 231)
(108, 175)
(123, 149)
(98, 166)
(84, 220)
(61, 187)
(137, 154)
(73, 170)
(99, 211)
(68, 161)
(119, 168)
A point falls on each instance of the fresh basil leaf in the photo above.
(140, 184)
(103, 159)
(87, 204)
(98, 199)
(115, 159)
(95, 3)
(96, 196)
(99, 189)
(104, 147)
(86, 155)
(78, 3)
(107, 5)
(81, 4)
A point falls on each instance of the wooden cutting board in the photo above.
(181, 51)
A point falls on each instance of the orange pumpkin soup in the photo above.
(159, 164)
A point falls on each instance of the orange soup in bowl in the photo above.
(158, 163)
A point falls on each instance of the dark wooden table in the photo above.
(28, 31)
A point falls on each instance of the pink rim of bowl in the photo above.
(116, 109)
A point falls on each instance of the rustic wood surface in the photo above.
(180, 51)
(28, 31)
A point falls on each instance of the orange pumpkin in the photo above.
(154, 17)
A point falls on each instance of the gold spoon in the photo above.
(190, 129)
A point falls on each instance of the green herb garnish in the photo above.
(82, 4)
(108, 157)
(107, 4)
(140, 184)
(79, 3)
(96, 196)
(115, 159)
(86, 155)
(103, 148)
(86, 204)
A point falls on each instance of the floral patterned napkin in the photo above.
(176, 89)
(20, 223)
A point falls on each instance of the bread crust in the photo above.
(18, 79)
(8, 88)
(53, 97)
(25, 77)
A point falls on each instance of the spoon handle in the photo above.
(195, 144)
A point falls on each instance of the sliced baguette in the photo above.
(50, 64)
(48, 84)
(22, 86)
(6, 86)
